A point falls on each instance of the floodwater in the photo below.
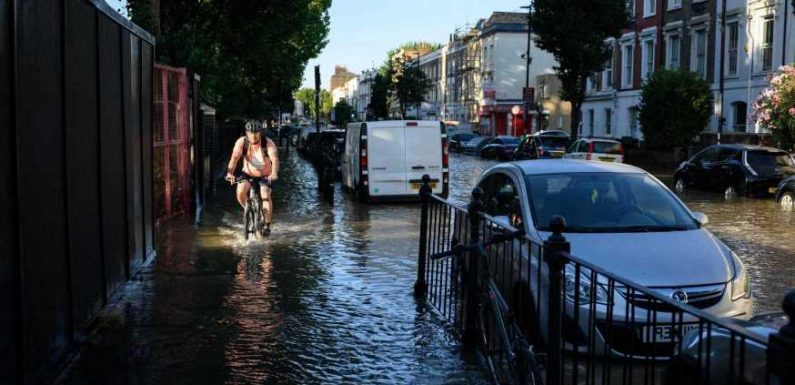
(328, 297)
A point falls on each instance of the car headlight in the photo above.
(585, 289)
(741, 286)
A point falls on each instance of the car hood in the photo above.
(658, 259)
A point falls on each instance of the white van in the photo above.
(386, 160)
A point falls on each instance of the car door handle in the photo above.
(418, 167)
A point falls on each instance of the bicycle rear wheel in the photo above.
(496, 353)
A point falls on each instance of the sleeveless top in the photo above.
(257, 160)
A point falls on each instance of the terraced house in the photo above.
(687, 34)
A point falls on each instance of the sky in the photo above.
(363, 31)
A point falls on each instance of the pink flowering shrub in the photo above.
(774, 108)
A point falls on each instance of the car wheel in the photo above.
(729, 193)
(679, 185)
(787, 201)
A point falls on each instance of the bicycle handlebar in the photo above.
(460, 249)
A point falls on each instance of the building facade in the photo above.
(363, 93)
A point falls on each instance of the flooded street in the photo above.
(327, 298)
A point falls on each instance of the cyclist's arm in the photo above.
(237, 151)
(273, 154)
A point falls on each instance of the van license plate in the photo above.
(606, 159)
(664, 333)
(416, 186)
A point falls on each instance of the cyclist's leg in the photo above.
(267, 203)
(242, 193)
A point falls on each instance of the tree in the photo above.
(410, 88)
(675, 107)
(343, 113)
(379, 96)
(251, 54)
(307, 97)
(574, 31)
(774, 108)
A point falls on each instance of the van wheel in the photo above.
(730, 193)
(360, 194)
(787, 201)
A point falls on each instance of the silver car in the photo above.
(627, 222)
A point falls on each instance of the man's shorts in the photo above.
(258, 181)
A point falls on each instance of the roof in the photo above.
(600, 140)
(504, 22)
(749, 147)
(563, 166)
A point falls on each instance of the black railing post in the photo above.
(472, 284)
(420, 286)
(553, 246)
(781, 345)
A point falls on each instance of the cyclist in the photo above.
(260, 166)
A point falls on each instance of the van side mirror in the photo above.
(701, 218)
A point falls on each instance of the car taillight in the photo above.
(588, 156)
(540, 152)
(621, 149)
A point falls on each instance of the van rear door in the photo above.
(423, 155)
(386, 159)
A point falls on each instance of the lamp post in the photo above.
(721, 119)
(528, 60)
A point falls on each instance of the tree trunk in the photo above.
(576, 120)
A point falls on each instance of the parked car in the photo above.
(385, 160)
(501, 148)
(541, 145)
(689, 366)
(735, 169)
(457, 140)
(606, 150)
(785, 194)
(474, 145)
(625, 221)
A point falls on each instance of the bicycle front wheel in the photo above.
(248, 227)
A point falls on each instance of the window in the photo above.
(767, 43)
(674, 4)
(733, 37)
(648, 58)
(501, 198)
(700, 53)
(740, 116)
(633, 121)
(608, 121)
(631, 9)
(590, 122)
(608, 73)
(649, 7)
(674, 46)
(628, 58)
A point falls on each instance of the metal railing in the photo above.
(592, 325)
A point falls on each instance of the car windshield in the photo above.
(553, 142)
(465, 137)
(607, 148)
(769, 163)
(510, 141)
(606, 203)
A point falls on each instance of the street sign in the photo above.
(528, 94)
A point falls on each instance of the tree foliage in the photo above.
(343, 113)
(774, 108)
(379, 94)
(675, 107)
(250, 54)
(574, 31)
(307, 97)
(410, 88)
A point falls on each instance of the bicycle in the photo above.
(509, 358)
(252, 214)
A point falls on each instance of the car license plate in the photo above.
(663, 333)
(557, 154)
(772, 190)
(416, 186)
(606, 159)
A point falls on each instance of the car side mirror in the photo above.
(701, 218)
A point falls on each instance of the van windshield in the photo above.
(553, 142)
